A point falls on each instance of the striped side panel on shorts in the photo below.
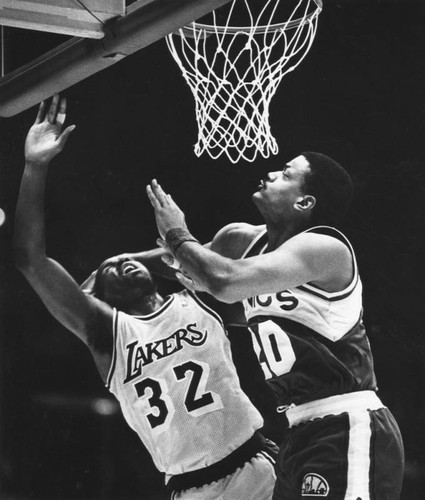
(359, 456)
(268, 457)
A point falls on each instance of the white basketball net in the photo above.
(234, 72)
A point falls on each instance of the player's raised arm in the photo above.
(302, 259)
(83, 315)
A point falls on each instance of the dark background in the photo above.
(358, 97)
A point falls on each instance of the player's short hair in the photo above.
(332, 187)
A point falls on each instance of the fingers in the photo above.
(60, 118)
(41, 111)
(185, 281)
(152, 198)
(56, 113)
(161, 196)
(156, 195)
(53, 109)
(161, 243)
(168, 258)
(170, 261)
(64, 135)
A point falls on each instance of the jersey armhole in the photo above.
(256, 245)
(207, 309)
(334, 233)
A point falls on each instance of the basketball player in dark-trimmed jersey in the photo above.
(298, 279)
(167, 360)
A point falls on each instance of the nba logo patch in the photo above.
(314, 486)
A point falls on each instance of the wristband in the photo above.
(177, 236)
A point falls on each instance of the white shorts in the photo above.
(254, 481)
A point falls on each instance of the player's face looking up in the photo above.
(121, 282)
(282, 189)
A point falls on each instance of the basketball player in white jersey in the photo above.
(167, 360)
(298, 279)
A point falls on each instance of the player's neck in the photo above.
(277, 234)
(147, 306)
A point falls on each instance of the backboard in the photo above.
(120, 30)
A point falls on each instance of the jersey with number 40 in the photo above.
(174, 377)
(311, 344)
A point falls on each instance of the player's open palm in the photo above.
(45, 138)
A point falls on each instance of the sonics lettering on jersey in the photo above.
(140, 355)
(284, 300)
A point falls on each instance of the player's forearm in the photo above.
(213, 273)
(29, 237)
(152, 259)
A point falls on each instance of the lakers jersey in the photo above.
(174, 377)
(311, 343)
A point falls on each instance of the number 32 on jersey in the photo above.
(196, 402)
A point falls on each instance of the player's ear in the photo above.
(304, 203)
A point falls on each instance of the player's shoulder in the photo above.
(241, 230)
(324, 238)
(314, 244)
(326, 253)
(232, 240)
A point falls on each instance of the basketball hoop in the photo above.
(234, 71)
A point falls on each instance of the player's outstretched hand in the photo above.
(181, 274)
(167, 213)
(45, 138)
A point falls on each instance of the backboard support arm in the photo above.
(146, 22)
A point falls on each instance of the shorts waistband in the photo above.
(334, 405)
(223, 468)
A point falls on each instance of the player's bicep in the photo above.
(276, 271)
(298, 261)
(307, 258)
